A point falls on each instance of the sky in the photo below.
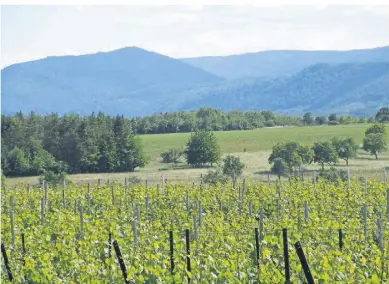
(33, 32)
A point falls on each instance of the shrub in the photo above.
(214, 177)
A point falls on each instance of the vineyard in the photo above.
(193, 232)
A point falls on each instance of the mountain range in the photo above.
(136, 82)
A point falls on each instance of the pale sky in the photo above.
(32, 32)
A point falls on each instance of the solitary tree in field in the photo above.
(382, 115)
(324, 153)
(279, 168)
(292, 153)
(232, 167)
(308, 118)
(346, 148)
(375, 143)
(376, 128)
(202, 148)
(320, 120)
(172, 156)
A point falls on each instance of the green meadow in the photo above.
(252, 146)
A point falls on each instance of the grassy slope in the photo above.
(258, 144)
(255, 140)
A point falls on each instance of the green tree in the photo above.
(346, 148)
(376, 128)
(324, 153)
(308, 118)
(332, 117)
(382, 115)
(279, 168)
(172, 156)
(18, 163)
(375, 143)
(232, 167)
(320, 120)
(202, 148)
(292, 153)
(214, 177)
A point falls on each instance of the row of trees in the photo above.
(288, 157)
(35, 145)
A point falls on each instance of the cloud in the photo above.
(188, 31)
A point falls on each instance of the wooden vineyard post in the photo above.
(121, 262)
(340, 239)
(112, 195)
(387, 202)
(385, 178)
(195, 228)
(135, 234)
(42, 211)
(147, 203)
(89, 203)
(365, 221)
(28, 188)
(109, 244)
(63, 195)
(187, 201)
(250, 208)
(138, 212)
(286, 255)
(200, 215)
(171, 242)
(306, 211)
(314, 179)
(6, 263)
(188, 267)
(261, 227)
(304, 263)
(348, 178)
(365, 187)
(45, 189)
(23, 250)
(380, 235)
(82, 219)
(257, 254)
(11, 215)
(75, 206)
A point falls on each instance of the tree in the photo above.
(18, 163)
(279, 168)
(332, 117)
(202, 148)
(292, 153)
(232, 167)
(215, 176)
(382, 115)
(171, 156)
(375, 143)
(376, 128)
(308, 118)
(346, 148)
(324, 153)
(320, 120)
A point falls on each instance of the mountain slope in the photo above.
(128, 80)
(270, 64)
(350, 88)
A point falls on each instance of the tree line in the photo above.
(34, 144)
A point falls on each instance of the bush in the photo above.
(214, 177)
(172, 156)
(333, 175)
(54, 179)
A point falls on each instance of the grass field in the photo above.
(258, 144)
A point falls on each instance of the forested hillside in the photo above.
(278, 63)
(136, 82)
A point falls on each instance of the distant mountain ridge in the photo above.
(276, 63)
(136, 82)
